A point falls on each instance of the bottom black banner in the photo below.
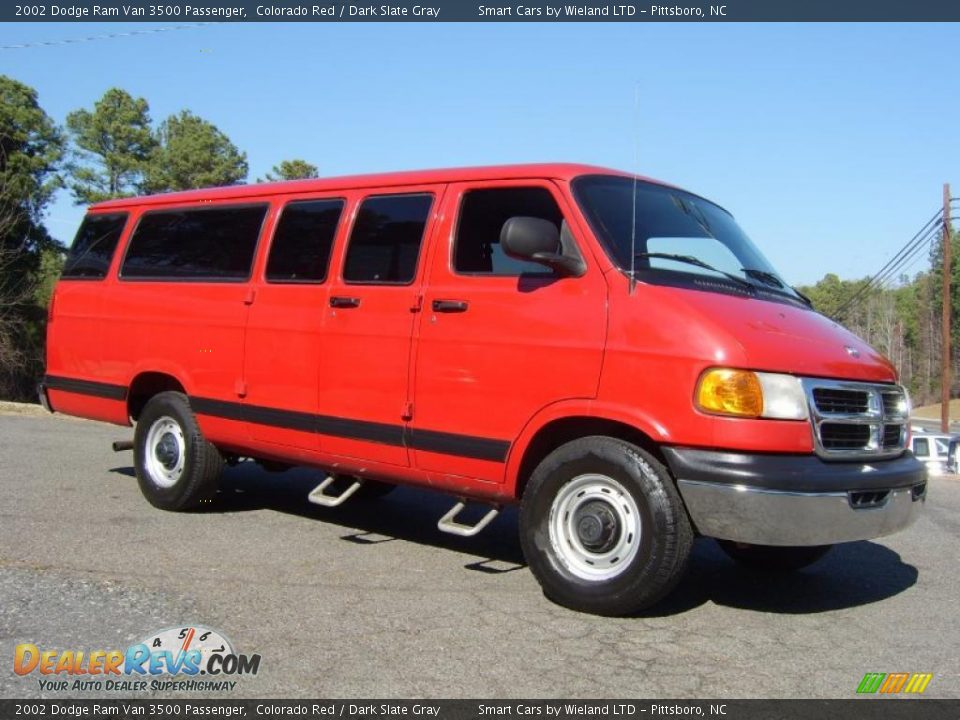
(865, 708)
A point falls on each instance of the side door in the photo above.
(499, 339)
(364, 392)
(284, 345)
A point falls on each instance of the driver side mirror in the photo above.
(538, 240)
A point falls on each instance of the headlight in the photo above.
(745, 393)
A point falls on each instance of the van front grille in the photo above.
(849, 402)
(894, 403)
(841, 436)
(892, 436)
(854, 420)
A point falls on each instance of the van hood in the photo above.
(778, 337)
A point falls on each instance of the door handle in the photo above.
(344, 302)
(450, 306)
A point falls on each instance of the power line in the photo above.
(895, 262)
(908, 251)
(911, 258)
(922, 242)
(882, 279)
(106, 36)
(880, 282)
(906, 270)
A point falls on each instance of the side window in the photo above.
(476, 247)
(94, 245)
(302, 241)
(921, 447)
(215, 243)
(385, 240)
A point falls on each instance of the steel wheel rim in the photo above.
(165, 452)
(581, 507)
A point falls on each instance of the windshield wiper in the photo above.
(697, 262)
(773, 281)
(803, 297)
(767, 277)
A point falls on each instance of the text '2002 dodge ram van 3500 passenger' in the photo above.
(611, 353)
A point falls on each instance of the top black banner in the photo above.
(177, 11)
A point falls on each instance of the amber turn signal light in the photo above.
(730, 392)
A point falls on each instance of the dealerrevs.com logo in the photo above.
(183, 654)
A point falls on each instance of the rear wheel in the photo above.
(177, 469)
(603, 528)
(771, 558)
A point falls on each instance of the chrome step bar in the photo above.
(318, 497)
(448, 524)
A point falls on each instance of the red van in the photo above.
(609, 352)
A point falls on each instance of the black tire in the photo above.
(370, 490)
(582, 541)
(180, 470)
(773, 559)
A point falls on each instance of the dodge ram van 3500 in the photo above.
(609, 352)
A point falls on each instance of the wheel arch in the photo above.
(145, 385)
(564, 422)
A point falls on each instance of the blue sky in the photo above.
(829, 143)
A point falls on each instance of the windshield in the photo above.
(667, 235)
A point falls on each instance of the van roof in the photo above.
(557, 171)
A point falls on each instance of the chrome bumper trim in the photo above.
(772, 517)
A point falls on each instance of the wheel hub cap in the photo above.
(168, 452)
(165, 452)
(596, 526)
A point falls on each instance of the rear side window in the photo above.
(302, 242)
(482, 215)
(921, 447)
(93, 247)
(197, 244)
(386, 237)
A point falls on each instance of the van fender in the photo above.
(630, 415)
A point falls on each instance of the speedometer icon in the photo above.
(178, 641)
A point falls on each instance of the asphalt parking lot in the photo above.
(371, 600)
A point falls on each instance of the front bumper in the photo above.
(796, 499)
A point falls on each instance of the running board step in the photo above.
(448, 524)
(318, 497)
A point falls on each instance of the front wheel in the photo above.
(774, 559)
(603, 527)
(177, 469)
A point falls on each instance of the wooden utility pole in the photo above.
(945, 329)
